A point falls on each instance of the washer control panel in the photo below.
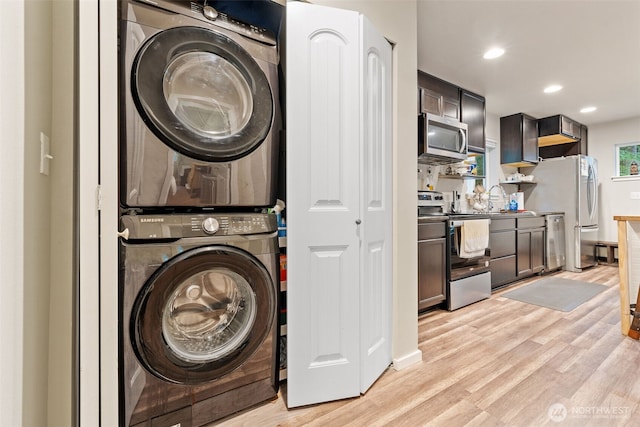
(195, 225)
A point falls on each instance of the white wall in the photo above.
(61, 374)
(397, 21)
(28, 249)
(613, 196)
(12, 86)
(37, 211)
(495, 172)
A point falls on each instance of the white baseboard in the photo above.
(407, 360)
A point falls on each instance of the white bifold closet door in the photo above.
(339, 204)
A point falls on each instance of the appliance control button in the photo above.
(210, 225)
(210, 13)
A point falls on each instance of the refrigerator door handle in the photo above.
(592, 192)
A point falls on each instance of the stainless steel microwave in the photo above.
(441, 140)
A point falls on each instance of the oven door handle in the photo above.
(459, 223)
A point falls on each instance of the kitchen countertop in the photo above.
(626, 218)
(437, 218)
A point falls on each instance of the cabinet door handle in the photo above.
(358, 221)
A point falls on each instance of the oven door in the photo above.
(459, 267)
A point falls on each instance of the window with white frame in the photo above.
(627, 159)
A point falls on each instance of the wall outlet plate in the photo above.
(635, 195)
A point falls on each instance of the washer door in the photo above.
(202, 314)
(202, 94)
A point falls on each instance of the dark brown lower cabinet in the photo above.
(530, 252)
(530, 246)
(502, 244)
(517, 248)
(432, 267)
(503, 271)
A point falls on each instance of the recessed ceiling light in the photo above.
(552, 88)
(588, 110)
(493, 53)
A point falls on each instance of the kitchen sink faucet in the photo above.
(503, 195)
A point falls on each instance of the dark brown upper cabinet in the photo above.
(518, 140)
(569, 148)
(472, 112)
(557, 129)
(438, 96)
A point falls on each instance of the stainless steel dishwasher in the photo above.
(555, 244)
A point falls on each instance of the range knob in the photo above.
(210, 225)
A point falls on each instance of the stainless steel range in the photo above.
(430, 203)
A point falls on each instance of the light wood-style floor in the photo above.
(498, 362)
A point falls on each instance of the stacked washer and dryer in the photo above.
(198, 281)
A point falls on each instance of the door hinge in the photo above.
(99, 198)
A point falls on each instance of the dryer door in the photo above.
(202, 314)
(202, 94)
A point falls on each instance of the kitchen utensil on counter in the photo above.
(516, 201)
(455, 203)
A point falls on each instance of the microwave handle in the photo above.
(463, 147)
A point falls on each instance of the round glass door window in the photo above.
(207, 94)
(202, 314)
(202, 94)
(209, 315)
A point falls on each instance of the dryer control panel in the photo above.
(177, 226)
(203, 13)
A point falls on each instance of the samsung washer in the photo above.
(198, 300)
(199, 110)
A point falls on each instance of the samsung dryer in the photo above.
(199, 108)
(198, 316)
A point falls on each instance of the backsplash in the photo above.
(429, 179)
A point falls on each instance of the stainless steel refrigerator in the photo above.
(569, 185)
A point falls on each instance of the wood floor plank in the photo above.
(460, 413)
(506, 382)
(432, 408)
(482, 420)
(552, 331)
(533, 390)
(499, 362)
(567, 358)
